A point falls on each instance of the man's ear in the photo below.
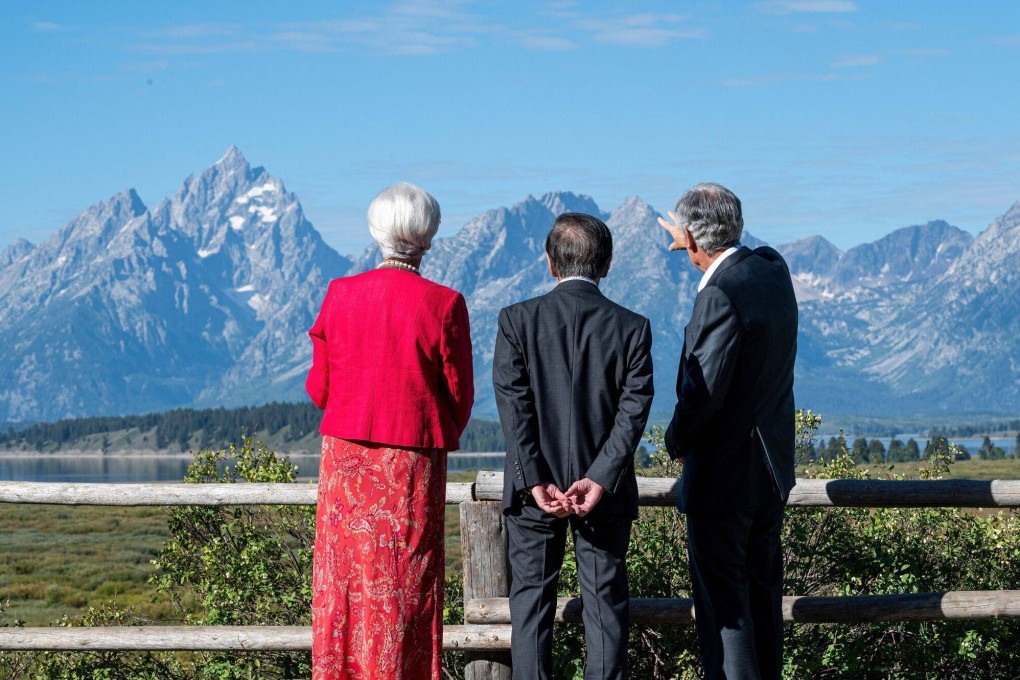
(605, 272)
(692, 245)
(552, 269)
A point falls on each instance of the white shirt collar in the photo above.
(577, 278)
(715, 265)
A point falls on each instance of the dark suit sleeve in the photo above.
(706, 369)
(613, 460)
(515, 402)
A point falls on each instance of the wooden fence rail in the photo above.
(652, 491)
(963, 604)
(485, 637)
(213, 638)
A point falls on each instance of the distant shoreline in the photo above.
(155, 453)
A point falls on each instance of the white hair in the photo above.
(403, 220)
(713, 214)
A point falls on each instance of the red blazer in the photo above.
(391, 361)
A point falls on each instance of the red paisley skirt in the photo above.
(377, 586)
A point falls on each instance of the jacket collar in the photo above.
(579, 286)
(742, 254)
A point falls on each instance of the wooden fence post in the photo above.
(486, 574)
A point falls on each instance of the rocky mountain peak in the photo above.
(233, 159)
(98, 224)
(229, 202)
(634, 207)
(559, 202)
(1006, 226)
(907, 255)
(813, 256)
(222, 280)
(15, 251)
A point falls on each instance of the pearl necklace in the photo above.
(397, 264)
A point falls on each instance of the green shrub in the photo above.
(838, 551)
(251, 565)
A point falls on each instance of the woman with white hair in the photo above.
(391, 368)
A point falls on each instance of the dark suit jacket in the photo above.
(735, 385)
(573, 377)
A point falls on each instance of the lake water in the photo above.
(112, 469)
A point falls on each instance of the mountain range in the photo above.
(205, 300)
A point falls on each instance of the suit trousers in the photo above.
(537, 545)
(736, 563)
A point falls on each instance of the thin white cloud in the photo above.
(544, 41)
(202, 38)
(768, 79)
(923, 52)
(48, 26)
(1006, 40)
(423, 27)
(148, 66)
(857, 61)
(647, 29)
(807, 6)
(196, 31)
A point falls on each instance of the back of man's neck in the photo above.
(576, 278)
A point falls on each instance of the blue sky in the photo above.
(846, 118)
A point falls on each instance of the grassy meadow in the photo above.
(55, 560)
(1008, 468)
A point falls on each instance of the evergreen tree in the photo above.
(985, 452)
(860, 452)
(896, 450)
(876, 450)
(913, 450)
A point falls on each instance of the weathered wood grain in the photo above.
(652, 491)
(961, 604)
(974, 604)
(486, 567)
(298, 493)
(213, 638)
(949, 493)
(643, 610)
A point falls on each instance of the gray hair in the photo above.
(403, 219)
(712, 213)
(579, 245)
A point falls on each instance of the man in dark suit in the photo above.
(734, 428)
(573, 377)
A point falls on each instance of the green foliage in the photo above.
(988, 451)
(851, 551)
(860, 451)
(12, 664)
(55, 558)
(244, 565)
(108, 665)
(252, 565)
(175, 428)
(837, 551)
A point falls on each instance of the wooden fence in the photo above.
(485, 636)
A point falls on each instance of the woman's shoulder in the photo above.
(440, 291)
(393, 281)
